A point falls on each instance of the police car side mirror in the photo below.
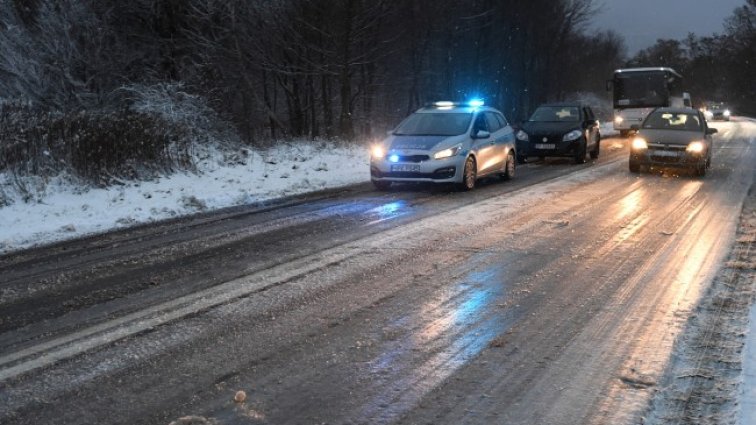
(481, 134)
(711, 131)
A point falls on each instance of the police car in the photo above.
(446, 142)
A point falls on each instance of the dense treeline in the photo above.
(716, 68)
(299, 68)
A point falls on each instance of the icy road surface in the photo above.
(554, 298)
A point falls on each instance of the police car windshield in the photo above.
(435, 124)
(556, 114)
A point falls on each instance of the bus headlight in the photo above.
(696, 147)
(639, 144)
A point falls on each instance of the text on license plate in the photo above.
(405, 167)
(545, 145)
(665, 153)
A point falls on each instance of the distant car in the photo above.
(717, 111)
(563, 129)
(673, 137)
(446, 142)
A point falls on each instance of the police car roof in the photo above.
(453, 109)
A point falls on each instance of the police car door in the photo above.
(484, 147)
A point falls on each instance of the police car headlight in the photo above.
(727, 112)
(572, 135)
(377, 152)
(446, 153)
(618, 120)
(708, 114)
(696, 147)
(522, 136)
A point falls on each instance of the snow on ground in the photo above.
(63, 209)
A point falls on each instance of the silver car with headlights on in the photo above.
(677, 137)
(446, 142)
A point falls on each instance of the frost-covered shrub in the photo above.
(95, 146)
(184, 110)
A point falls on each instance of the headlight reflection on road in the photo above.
(445, 332)
(388, 211)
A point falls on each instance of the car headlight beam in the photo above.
(639, 144)
(572, 135)
(446, 153)
(696, 147)
(378, 152)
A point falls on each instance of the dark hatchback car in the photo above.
(676, 137)
(564, 129)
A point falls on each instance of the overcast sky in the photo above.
(642, 22)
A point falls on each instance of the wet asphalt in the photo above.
(552, 298)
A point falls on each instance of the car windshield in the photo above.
(435, 124)
(556, 114)
(673, 121)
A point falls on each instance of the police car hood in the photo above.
(544, 128)
(423, 143)
(670, 137)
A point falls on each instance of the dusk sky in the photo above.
(642, 22)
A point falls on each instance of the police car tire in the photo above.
(467, 182)
(509, 168)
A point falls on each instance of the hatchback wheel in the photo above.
(469, 175)
(580, 153)
(700, 169)
(597, 149)
(509, 167)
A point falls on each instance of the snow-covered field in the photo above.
(63, 209)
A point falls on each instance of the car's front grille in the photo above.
(413, 158)
(549, 139)
(440, 174)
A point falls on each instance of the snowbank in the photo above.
(62, 209)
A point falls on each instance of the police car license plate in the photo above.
(405, 168)
(545, 146)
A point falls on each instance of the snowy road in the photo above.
(554, 298)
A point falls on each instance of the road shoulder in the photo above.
(712, 375)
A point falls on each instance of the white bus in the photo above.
(638, 91)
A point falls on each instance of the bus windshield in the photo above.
(641, 89)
